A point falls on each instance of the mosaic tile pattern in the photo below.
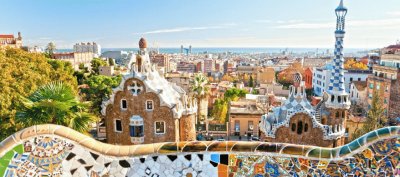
(374, 154)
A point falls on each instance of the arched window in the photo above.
(343, 114)
(305, 127)
(337, 114)
(293, 127)
(299, 127)
(339, 99)
(332, 98)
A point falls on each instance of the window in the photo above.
(351, 79)
(237, 126)
(299, 127)
(371, 85)
(387, 88)
(343, 114)
(359, 79)
(305, 127)
(159, 127)
(136, 131)
(136, 128)
(293, 127)
(378, 86)
(124, 104)
(370, 95)
(337, 115)
(385, 101)
(250, 126)
(149, 105)
(135, 88)
(118, 125)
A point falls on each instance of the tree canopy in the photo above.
(96, 63)
(99, 87)
(21, 74)
(221, 106)
(375, 117)
(354, 64)
(55, 103)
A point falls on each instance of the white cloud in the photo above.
(382, 23)
(307, 26)
(262, 21)
(183, 29)
(394, 13)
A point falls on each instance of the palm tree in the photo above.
(200, 90)
(55, 103)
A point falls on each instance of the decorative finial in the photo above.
(142, 43)
(297, 79)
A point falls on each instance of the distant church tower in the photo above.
(337, 99)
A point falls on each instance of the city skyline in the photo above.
(307, 24)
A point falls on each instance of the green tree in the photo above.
(221, 106)
(220, 110)
(111, 62)
(233, 94)
(254, 91)
(55, 103)
(50, 49)
(63, 71)
(21, 74)
(200, 89)
(251, 81)
(376, 117)
(96, 63)
(99, 88)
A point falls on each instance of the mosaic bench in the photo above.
(55, 150)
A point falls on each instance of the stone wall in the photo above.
(394, 103)
(187, 127)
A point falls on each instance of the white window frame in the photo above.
(121, 105)
(155, 128)
(115, 126)
(152, 103)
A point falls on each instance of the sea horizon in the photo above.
(239, 50)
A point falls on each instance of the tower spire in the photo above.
(338, 97)
(341, 3)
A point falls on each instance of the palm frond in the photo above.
(81, 121)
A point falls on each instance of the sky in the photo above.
(200, 23)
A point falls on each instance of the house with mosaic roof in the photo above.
(146, 108)
(297, 122)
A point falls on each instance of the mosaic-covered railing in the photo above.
(59, 151)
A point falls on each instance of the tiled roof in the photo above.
(397, 46)
(6, 36)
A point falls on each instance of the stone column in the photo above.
(187, 128)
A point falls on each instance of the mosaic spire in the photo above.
(338, 95)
